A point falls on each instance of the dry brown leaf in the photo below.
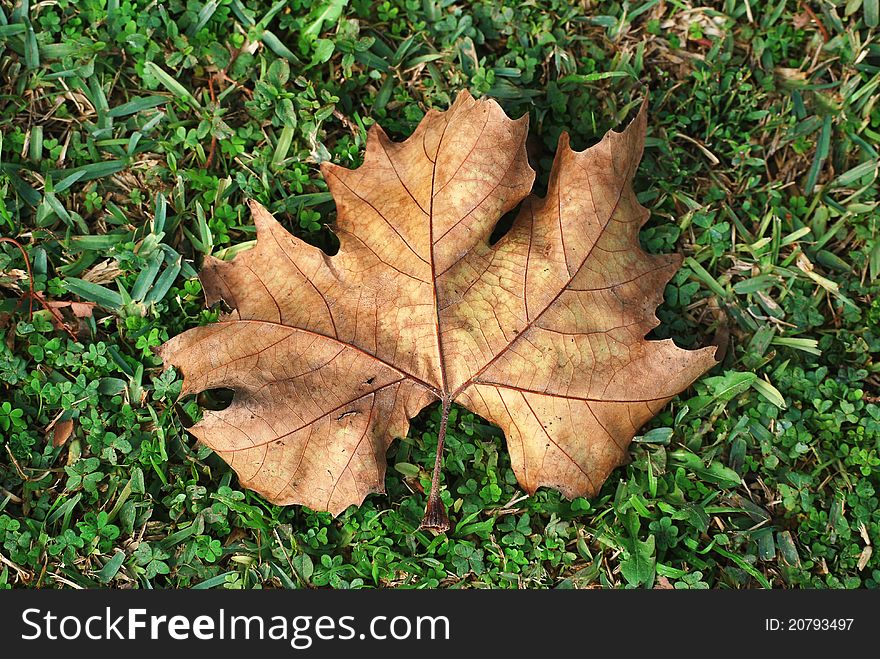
(104, 272)
(541, 333)
(63, 431)
(79, 309)
(663, 584)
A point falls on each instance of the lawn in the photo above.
(132, 133)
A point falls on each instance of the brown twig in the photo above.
(825, 36)
(348, 123)
(12, 497)
(221, 76)
(22, 574)
(33, 295)
(27, 265)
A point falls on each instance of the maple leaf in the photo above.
(541, 333)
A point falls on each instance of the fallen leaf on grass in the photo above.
(541, 333)
(79, 309)
(61, 430)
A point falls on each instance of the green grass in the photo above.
(132, 132)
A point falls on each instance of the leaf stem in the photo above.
(435, 514)
(31, 295)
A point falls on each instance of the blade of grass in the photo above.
(68, 181)
(137, 105)
(163, 283)
(147, 276)
(171, 84)
(769, 392)
(91, 171)
(283, 146)
(213, 582)
(111, 567)
(823, 147)
(205, 14)
(274, 44)
(31, 50)
(872, 12)
(760, 578)
(12, 30)
(159, 213)
(810, 346)
(92, 292)
(703, 275)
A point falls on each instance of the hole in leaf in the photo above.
(217, 399)
(325, 238)
(222, 306)
(505, 223)
(312, 223)
(411, 459)
(183, 415)
(329, 242)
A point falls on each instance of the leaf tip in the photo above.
(463, 97)
(256, 206)
(263, 219)
(564, 141)
(377, 140)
